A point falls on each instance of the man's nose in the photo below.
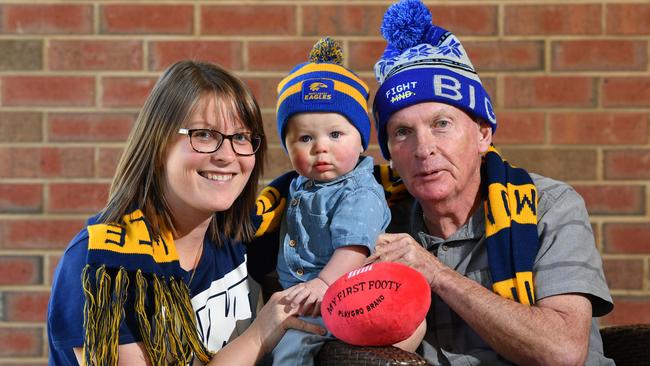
(425, 144)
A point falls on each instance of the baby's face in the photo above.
(322, 146)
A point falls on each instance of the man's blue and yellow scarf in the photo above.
(124, 253)
(510, 200)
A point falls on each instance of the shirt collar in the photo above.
(472, 229)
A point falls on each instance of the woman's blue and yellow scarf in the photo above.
(126, 264)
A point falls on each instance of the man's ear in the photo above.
(485, 136)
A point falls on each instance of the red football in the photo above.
(376, 305)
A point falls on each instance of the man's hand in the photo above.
(308, 296)
(402, 248)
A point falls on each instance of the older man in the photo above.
(510, 256)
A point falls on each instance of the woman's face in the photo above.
(197, 184)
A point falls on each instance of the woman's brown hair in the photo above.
(139, 178)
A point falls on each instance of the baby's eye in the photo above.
(304, 138)
(335, 134)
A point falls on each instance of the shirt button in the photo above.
(300, 272)
(294, 202)
(309, 184)
(444, 247)
(292, 243)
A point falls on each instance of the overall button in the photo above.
(292, 243)
(300, 272)
(294, 202)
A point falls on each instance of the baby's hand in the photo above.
(308, 296)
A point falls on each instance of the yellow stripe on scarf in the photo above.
(514, 203)
(132, 237)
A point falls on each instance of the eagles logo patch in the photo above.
(317, 90)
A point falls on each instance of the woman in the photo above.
(163, 276)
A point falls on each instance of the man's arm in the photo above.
(555, 331)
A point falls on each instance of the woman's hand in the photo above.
(278, 315)
(307, 296)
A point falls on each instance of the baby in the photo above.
(335, 208)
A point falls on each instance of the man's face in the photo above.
(436, 149)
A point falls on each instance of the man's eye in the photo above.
(441, 124)
(401, 132)
(335, 134)
(304, 138)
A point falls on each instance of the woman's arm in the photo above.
(264, 333)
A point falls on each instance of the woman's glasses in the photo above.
(206, 141)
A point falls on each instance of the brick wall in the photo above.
(570, 81)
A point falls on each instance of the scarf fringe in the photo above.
(163, 310)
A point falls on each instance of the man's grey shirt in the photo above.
(567, 262)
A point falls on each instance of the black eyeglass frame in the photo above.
(190, 131)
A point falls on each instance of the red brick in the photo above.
(21, 341)
(77, 197)
(506, 55)
(578, 19)
(226, 53)
(613, 199)
(556, 163)
(38, 233)
(363, 55)
(70, 127)
(108, 158)
(278, 163)
(277, 55)
(264, 90)
(629, 238)
(605, 55)
(95, 55)
(21, 127)
(519, 128)
(21, 55)
(146, 19)
(126, 91)
(490, 86)
(627, 164)
(626, 91)
(47, 19)
(20, 270)
(599, 128)
(628, 310)
(48, 91)
(46, 162)
(248, 19)
(549, 91)
(347, 20)
(25, 306)
(51, 267)
(270, 128)
(15, 198)
(628, 19)
(623, 274)
(467, 19)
